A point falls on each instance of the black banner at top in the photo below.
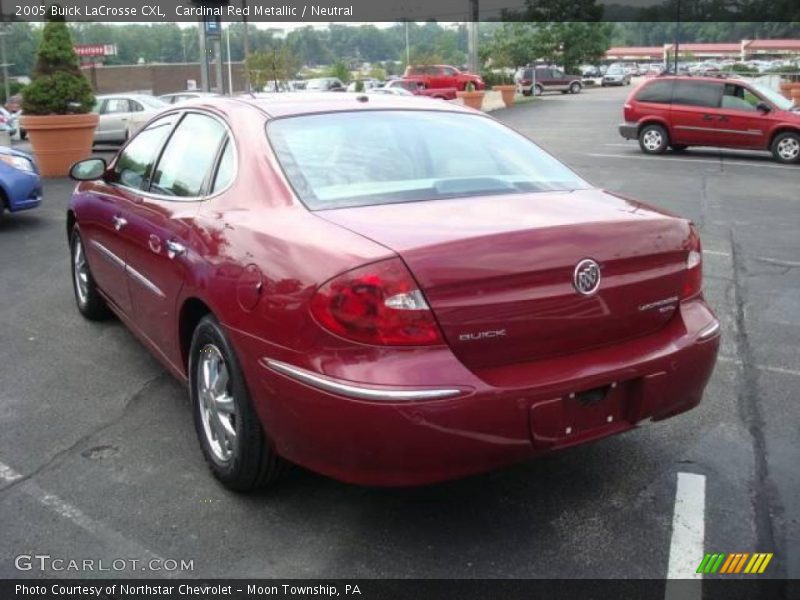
(325, 11)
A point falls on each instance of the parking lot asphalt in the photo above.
(98, 455)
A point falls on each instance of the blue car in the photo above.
(20, 185)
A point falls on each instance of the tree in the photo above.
(276, 64)
(58, 86)
(340, 70)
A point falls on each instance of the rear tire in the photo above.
(786, 147)
(234, 444)
(653, 139)
(87, 297)
(575, 88)
(527, 93)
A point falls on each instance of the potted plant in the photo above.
(471, 97)
(57, 103)
(507, 88)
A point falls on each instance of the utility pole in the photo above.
(246, 33)
(472, 37)
(408, 48)
(677, 34)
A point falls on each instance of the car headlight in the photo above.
(18, 162)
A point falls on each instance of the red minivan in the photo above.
(678, 112)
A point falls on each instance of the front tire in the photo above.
(786, 147)
(87, 297)
(233, 442)
(538, 90)
(653, 139)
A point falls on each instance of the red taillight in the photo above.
(376, 304)
(693, 284)
(527, 81)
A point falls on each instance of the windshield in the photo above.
(347, 159)
(772, 96)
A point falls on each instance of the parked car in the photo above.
(369, 84)
(417, 88)
(678, 112)
(325, 84)
(289, 260)
(443, 77)
(616, 75)
(20, 184)
(178, 97)
(591, 76)
(537, 80)
(116, 110)
(391, 91)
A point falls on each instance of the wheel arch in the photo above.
(779, 130)
(192, 311)
(652, 121)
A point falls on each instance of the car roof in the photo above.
(294, 104)
(697, 78)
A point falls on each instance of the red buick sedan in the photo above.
(386, 290)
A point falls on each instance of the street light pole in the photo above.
(472, 36)
(677, 33)
(408, 49)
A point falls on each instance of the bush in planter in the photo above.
(58, 102)
(58, 86)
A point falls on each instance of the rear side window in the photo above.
(697, 93)
(188, 157)
(658, 92)
(346, 159)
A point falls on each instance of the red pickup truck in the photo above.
(443, 76)
(417, 88)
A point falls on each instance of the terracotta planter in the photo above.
(796, 96)
(786, 89)
(60, 140)
(508, 92)
(472, 99)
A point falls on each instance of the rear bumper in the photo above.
(502, 416)
(630, 131)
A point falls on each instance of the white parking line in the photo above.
(714, 161)
(688, 537)
(109, 537)
(768, 368)
(716, 253)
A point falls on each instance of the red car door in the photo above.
(742, 124)
(162, 228)
(103, 212)
(695, 113)
(106, 224)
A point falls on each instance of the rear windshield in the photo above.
(337, 160)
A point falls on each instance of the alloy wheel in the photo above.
(217, 406)
(80, 271)
(789, 148)
(652, 140)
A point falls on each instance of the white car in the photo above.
(116, 112)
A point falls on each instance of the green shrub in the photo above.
(359, 86)
(470, 87)
(58, 87)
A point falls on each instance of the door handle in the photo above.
(723, 118)
(119, 222)
(175, 249)
(708, 117)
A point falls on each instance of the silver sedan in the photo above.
(116, 110)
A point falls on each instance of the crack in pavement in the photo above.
(60, 454)
(765, 497)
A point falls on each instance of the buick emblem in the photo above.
(586, 277)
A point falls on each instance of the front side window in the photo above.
(135, 163)
(376, 157)
(737, 97)
(697, 93)
(188, 157)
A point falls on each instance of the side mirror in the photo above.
(763, 107)
(89, 169)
